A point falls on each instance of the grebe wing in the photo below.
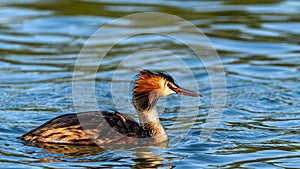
(64, 129)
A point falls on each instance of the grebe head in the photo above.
(151, 85)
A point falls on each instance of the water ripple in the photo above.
(258, 43)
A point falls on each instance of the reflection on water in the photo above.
(258, 42)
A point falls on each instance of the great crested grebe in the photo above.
(107, 128)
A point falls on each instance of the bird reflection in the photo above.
(143, 157)
(148, 159)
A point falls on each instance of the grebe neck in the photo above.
(151, 124)
(149, 118)
(145, 105)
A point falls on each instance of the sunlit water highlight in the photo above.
(258, 42)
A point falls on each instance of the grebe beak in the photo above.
(186, 92)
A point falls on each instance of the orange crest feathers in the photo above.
(146, 89)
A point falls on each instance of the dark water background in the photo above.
(259, 45)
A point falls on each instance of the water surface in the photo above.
(257, 41)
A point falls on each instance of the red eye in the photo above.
(170, 86)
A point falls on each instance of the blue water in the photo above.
(258, 44)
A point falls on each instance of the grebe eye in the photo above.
(170, 86)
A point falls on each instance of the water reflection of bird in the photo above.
(89, 128)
